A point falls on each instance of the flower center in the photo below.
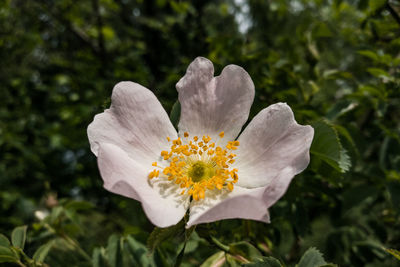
(200, 171)
(198, 165)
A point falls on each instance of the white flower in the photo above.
(141, 156)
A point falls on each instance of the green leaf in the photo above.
(175, 114)
(340, 108)
(113, 250)
(235, 261)
(42, 251)
(376, 4)
(5, 258)
(246, 250)
(161, 234)
(312, 258)
(7, 255)
(326, 146)
(344, 161)
(56, 213)
(179, 258)
(4, 241)
(98, 259)
(265, 262)
(161, 258)
(343, 132)
(191, 243)
(213, 260)
(394, 252)
(79, 205)
(378, 72)
(140, 252)
(370, 54)
(18, 236)
(322, 30)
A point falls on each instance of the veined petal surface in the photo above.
(272, 147)
(136, 122)
(211, 104)
(241, 203)
(122, 175)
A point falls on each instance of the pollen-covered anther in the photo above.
(198, 165)
(154, 173)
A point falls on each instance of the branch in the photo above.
(393, 13)
(99, 22)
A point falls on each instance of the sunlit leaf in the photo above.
(216, 259)
(245, 249)
(376, 4)
(378, 72)
(370, 54)
(394, 252)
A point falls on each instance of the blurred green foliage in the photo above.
(335, 62)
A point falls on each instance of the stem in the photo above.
(24, 257)
(20, 263)
(100, 39)
(70, 241)
(188, 232)
(77, 247)
(219, 244)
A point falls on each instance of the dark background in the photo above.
(336, 63)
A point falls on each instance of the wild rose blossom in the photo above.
(204, 167)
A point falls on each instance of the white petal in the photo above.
(210, 105)
(241, 203)
(136, 122)
(122, 175)
(244, 203)
(271, 143)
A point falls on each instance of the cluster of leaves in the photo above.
(59, 230)
(336, 63)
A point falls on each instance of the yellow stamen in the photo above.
(198, 166)
(230, 186)
(153, 174)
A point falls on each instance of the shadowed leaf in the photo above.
(18, 236)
